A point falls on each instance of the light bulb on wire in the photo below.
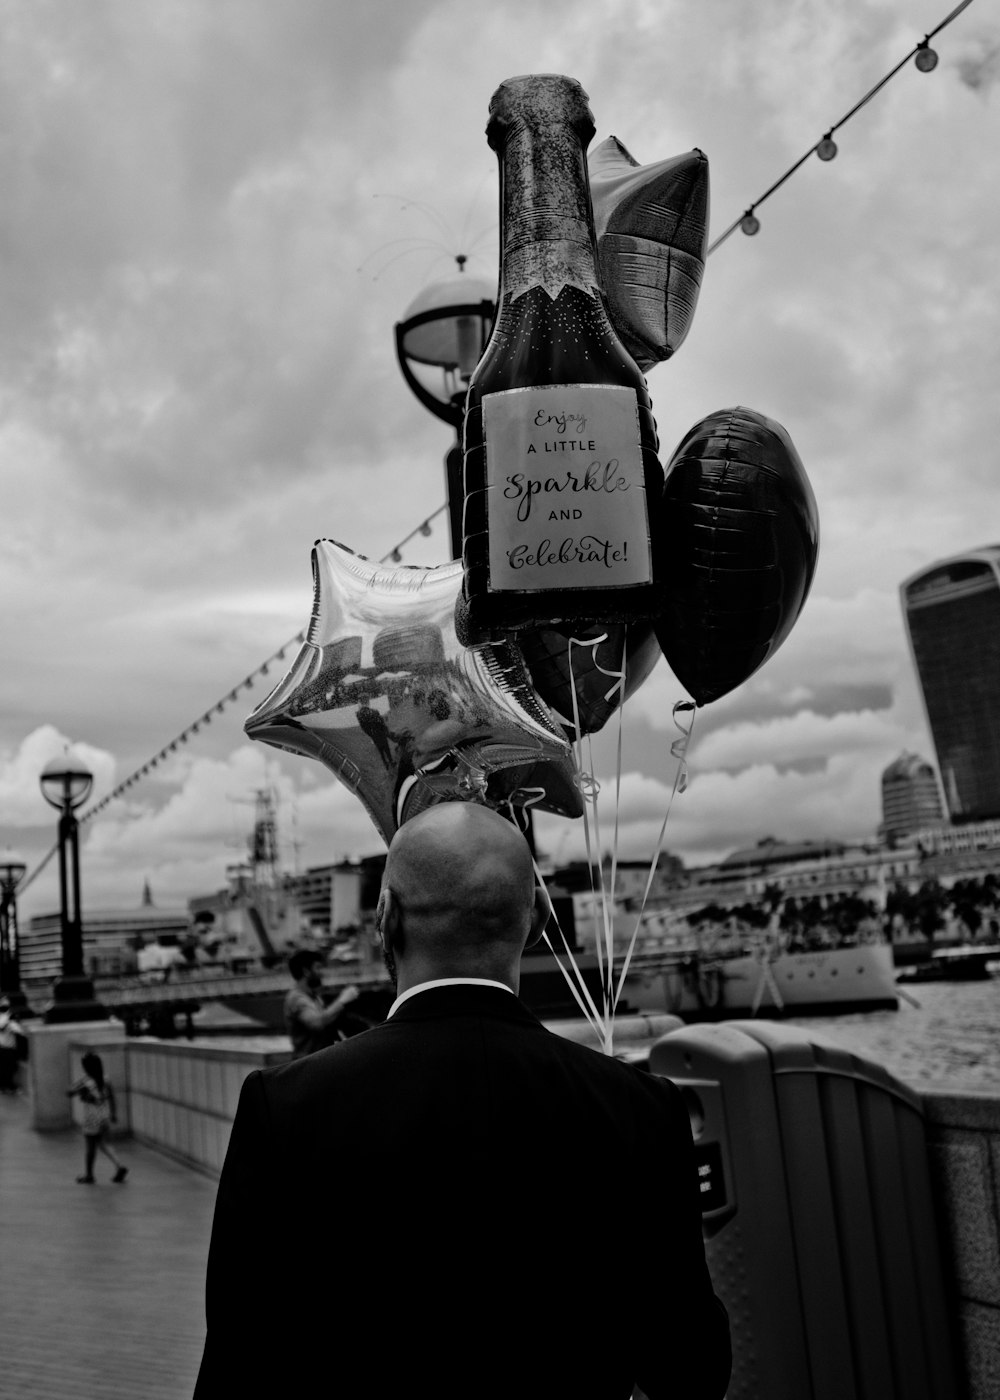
(925, 58)
(750, 224)
(827, 148)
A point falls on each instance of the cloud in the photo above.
(788, 741)
(979, 66)
(723, 811)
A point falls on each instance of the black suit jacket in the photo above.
(460, 1203)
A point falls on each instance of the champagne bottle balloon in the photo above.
(561, 470)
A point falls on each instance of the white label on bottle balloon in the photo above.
(566, 493)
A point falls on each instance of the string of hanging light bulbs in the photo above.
(925, 59)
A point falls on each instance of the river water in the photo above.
(950, 1039)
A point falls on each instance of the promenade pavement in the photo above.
(101, 1287)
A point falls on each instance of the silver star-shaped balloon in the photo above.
(387, 698)
(651, 223)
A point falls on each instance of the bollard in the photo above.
(819, 1224)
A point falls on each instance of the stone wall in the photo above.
(963, 1132)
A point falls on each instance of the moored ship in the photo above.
(769, 981)
(718, 963)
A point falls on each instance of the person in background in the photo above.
(492, 1210)
(99, 1111)
(10, 1030)
(307, 1020)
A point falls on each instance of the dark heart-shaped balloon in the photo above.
(586, 662)
(386, 697)
(651, 223)
(740, 530)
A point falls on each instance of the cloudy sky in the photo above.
(215, 210)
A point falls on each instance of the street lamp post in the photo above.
(66, 784)
(12, 869)
(445, 330)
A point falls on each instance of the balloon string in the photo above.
(531, 796)
(587, 786)
(589, 793)
(607, 894)
(527, 797)
(589, 812)
(678, 750)
(614, 996)
(591, 1014)
(607, 919)
(618, 676)
(605, 956)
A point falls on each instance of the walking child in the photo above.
(98, 1098)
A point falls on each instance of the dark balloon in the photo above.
(559, 669)
(741, 533)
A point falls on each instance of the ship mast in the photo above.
(264, 842)
(257, 884)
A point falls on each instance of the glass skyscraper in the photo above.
(952, 612)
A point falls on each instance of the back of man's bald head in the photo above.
(462, 878)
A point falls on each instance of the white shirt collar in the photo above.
(446, 982)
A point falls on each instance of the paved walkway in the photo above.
(101, 1287)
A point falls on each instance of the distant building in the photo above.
(911, 798)
(631, 877)
(950, 853)
(576, 891)
(326, 903)
(336, 899)
(111, 939)
(803, 870)
(952, 612)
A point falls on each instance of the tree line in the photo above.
(833, 920)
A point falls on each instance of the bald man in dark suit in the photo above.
(458, 1202)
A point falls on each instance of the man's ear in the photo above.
(388, 924)
(539, 917)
